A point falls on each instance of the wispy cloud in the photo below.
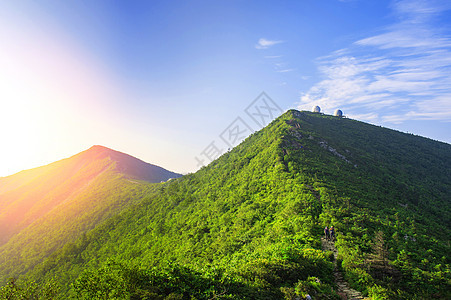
(282, 67)
(265, 43)
(403, 73)
(276, 60)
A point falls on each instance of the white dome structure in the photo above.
(316, 109)
(338, 113)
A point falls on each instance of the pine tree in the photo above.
(377, 261)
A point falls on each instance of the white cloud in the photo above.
(404, 73)
(264, 43)
(420, 10)
(282, 68)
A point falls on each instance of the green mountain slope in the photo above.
(248, 226)
(44, 208)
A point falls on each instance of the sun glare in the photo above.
(52, 95)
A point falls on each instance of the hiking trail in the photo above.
(344, 290)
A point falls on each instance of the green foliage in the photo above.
(248, 226)
(315, 288)
(117, 281)
(378, 292)
(108, 194)
(29, 290)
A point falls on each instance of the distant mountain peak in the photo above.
(98, 148)
(31, 194)
(129, 165)
(97, 151)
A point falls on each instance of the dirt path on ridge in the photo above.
(344, 290)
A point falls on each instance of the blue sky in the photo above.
(163, 80)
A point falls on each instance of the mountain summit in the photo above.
(29, 195)
(130, 166)
(249, 225)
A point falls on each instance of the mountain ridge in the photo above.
(248, 225)
(30, 194)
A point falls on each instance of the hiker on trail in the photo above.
(326, 233)
(332, 233)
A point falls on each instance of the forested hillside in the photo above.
(44, 208)
(248, 226)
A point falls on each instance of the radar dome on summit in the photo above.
(338, 113)
(316, 109)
